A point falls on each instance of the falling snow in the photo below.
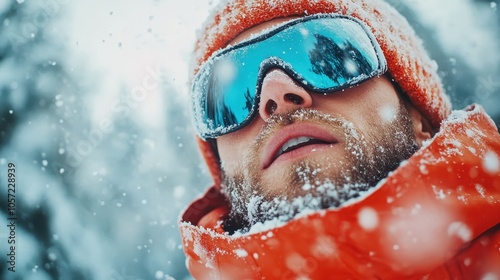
(368, 219)
(121, 187)
(491, 162)
(241, 253)
(388, 113)
(460, 230)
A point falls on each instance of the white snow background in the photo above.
(94, 113)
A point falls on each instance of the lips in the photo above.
(295, 141)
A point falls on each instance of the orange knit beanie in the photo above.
(408, 62)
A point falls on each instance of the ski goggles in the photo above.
(322, 53)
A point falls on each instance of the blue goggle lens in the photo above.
(322, 53)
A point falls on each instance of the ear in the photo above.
(421, 126)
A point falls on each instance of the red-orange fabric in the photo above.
(436, 216)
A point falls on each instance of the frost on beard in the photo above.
(262, 213)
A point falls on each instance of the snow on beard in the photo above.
(314, 184)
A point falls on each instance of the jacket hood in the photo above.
(436, 215)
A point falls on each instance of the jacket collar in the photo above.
(443, 197)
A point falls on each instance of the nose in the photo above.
(280, 94)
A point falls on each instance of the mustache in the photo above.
(279, 121)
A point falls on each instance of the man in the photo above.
(334, 151)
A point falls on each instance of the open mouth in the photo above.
(296, 141)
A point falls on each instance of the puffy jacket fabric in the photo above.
(437, 216)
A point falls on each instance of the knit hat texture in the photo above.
(408, 62)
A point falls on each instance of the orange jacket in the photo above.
(437, 216)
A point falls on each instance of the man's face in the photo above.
(312, 150)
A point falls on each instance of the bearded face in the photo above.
(359, 161)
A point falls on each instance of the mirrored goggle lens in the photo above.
(322, 53)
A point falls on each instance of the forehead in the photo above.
(260, 28)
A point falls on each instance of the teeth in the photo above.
(294, 142)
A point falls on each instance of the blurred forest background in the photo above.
(94, 114)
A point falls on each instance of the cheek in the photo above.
(380, 111)
(232, 149)
(387, 113)
(227, 152)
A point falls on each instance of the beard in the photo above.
(319, 182)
